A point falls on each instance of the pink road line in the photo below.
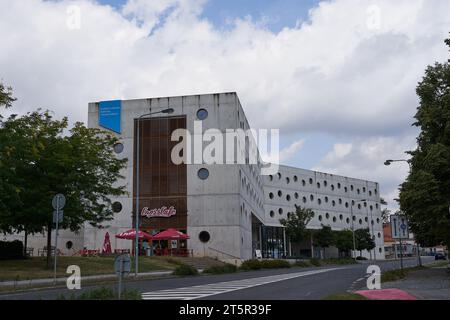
(386, 294)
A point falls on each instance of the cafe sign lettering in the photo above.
(163, 212)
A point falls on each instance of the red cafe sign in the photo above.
(162, 212)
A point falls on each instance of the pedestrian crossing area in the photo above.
(201, 291)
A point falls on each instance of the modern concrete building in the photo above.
(230, 211)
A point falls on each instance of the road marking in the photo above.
(201, 291)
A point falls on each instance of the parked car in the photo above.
(440, 256)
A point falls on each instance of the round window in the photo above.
(118, 148)
(203, 173)
(204, 236)
(116, 207)
(69, 245)
(272, 214)
(202, 114)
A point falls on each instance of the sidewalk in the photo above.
(428, 284)
(49, 281)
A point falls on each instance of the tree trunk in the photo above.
(49, 244)
(25, 243)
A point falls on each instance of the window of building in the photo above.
(341, 217)
(116, 207)
(203, 173)
(346, 204)
(360, 221)
(380, 250)
(326, 199)
(333, 203)
(327, 215)
(69, 245)
(320, 218)
(334, 219)
(288, 197)
(340, 201)
(357, 191)
(345, 189)
(204, 236)
(378, 220)
(118, 148)
(303, 182)
(288, 180)
(279, 175)
(354, 218)
(296, 195)
(271, 178)
(271, 195)
(304, 199)
(370, 193)
(318, 185)
(379, 235)
(364, 189)
(325, 183)
(311, 197)
(365, 219)
(280, 193)
(347, 220)
(295, 178)
(272, 214)
(359, 205)
(202, 114)
(332, 187)
(351, 187)
(310, 181)
(280, 211)
(319, 201)
(339, 185)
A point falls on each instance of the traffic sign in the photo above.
(399, 227)
(122, 265)
(60, 215)
(58, 201)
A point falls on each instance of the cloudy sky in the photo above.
(337, 77)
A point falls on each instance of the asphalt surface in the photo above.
(333, 280)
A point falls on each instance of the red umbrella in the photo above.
(131, 235)
(107, 244)
(170, 234)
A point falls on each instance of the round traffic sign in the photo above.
(58, 201)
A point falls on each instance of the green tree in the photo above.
(363, 240)
(6, 98)
(296, 223)
(40, 158)
(424, 196)
(385, 213)
(324, 238)
(344, 241)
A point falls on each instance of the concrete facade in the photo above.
(235, 202)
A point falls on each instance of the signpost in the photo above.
(122, 266)
(58, 202)
(399, 230)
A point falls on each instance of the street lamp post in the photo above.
(138, 158)
(388, 163)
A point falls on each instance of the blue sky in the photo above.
(279, 13)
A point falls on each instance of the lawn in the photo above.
(394, 275)
(345, 296)
(35, 268)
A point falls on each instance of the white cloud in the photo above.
(284, 154)
(338, 73)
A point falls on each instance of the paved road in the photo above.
(281, 284)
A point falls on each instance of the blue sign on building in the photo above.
(109, 115)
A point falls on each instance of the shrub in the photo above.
(303, 264)
(10, 250)
(227, 268)
(315, 262)
(252, 264)
(275, 264)
(361, 258)
(339, 261)
(185, 270)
